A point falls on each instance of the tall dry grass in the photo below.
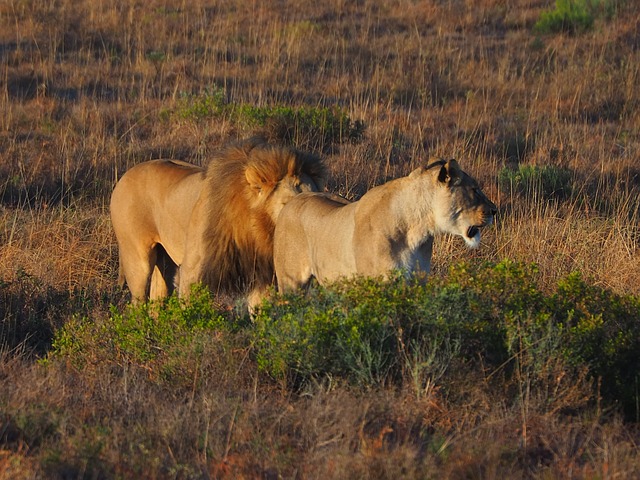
(89, 88)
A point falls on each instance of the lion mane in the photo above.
(177, 223)
(246, 186)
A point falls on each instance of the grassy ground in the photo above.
(545, 114)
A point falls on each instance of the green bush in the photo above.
(549, 181)
(372, 332)
(602, 331)
(330, 332)
(154, 334)
(303, 126)
(574, 16)
(210, 103)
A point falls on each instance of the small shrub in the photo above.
(549, 181)
(309, 126)
(155, 334)
(210, 103)
(603, 332)
(303, 126)
(328, 333)
(574, 16)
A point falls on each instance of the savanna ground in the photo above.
(508, 364)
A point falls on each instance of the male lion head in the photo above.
(230, 236)
(276, 174)
(463, 208)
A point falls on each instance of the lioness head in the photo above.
(462, 208)
(277, 174)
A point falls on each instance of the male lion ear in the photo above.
(254, 179)
(321, 183)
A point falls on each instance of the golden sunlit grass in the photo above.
(90, 88)
(70, 248)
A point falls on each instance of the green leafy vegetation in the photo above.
(209, 103)
(305, 125)
(157, 335)
(372, 333)
(574, 16)
(550, 181)
(602, 331)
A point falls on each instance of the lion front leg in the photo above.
(255, 298)
(189, 275)
(189, 272)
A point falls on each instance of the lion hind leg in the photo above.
(137, 267)
(189, 273)
(163, 276)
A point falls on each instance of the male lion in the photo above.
(216, 225)
(390, 228)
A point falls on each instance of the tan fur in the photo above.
(390, 228)
(216, 225)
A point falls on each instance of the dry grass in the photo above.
(89, 88)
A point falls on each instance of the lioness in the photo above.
(215, 224)
(390, 228)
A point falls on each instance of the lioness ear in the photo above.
(443, 175)
(450, 173)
